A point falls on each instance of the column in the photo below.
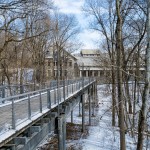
(98, 73)
(93, 73)
(80, 73)
(86, 73)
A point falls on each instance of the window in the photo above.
(65, 63)
(65, 72)
(70, 64)
(49, 63)
(101, 73)
(95, 73)
(55, 63)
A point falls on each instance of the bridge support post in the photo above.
(71, 116)
(60, 137)
(79, 108)
(53, 121)
(83, 115)
(64, 131)
(61, 132)
(89, 96)
(93, 103)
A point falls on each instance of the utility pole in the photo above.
(145, 97)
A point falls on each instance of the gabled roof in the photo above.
(49, 54)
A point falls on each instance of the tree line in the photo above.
(29, 29)
(123, 24)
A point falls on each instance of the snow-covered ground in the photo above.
(102, 136)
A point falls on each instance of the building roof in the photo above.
(87, 61)
(49, 54)
(90, 52)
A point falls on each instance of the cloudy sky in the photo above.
(87, 36)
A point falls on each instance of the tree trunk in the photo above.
(145, 97)
(113, 97)
(119, 74)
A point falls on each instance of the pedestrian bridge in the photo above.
(29, 117)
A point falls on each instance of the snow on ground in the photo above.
(102, 136)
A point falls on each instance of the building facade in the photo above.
(94, 63)
(68, 68)
(90, 63)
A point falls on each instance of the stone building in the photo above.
(68, 65)
(90, 62)
(94, 63)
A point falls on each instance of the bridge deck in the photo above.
(23, 110)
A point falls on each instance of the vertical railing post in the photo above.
(64, 90)
(76, 85)
(72, 86)
(83, 115)
(49, 99)
(93, 98)
(13, 115)
(3, 92)
(40, 103)
(67, 87)
(29, 107)
(49, 104)
(54, 88)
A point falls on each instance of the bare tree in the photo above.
(145, 97)
(17, 25)
(123, 26)
(64, 30)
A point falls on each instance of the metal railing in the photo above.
(15, 89)
(17, 109)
